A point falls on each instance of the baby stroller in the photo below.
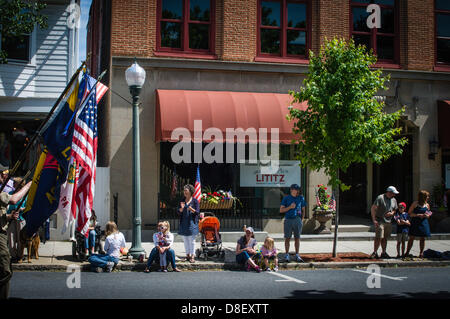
(79, 248)
(211, 244)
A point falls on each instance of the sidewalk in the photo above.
(57, 255)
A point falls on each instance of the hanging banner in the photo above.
(288, 173)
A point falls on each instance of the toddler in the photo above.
(269, 253)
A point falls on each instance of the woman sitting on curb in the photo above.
(163, 240)
(114, 243)
(245, 249)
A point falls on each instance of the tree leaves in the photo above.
(18, 18)
(343, 123)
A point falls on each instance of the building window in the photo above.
(384, 40)
(443, 31)
(283, 28)
(17, 49)
(186, 26)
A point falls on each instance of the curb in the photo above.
(136, 266)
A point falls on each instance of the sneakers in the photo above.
(98, 269)
(385, 256)
(268, 269)
(258, 269)
(286, 258)
(374, 256)
(109, 266)
(298, 258)
(275, 269)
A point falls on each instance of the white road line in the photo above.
(287, 278)
(384, 276)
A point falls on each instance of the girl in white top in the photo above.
(114, 243)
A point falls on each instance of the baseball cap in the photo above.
(402, 204)
(250, 229)
(295, 186)
(392, 189)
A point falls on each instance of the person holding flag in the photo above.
(68, 159)
(5, 258)
(189, 216)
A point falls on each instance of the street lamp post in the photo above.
(135, 77)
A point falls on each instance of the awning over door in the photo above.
(222, 110)
(444, 124)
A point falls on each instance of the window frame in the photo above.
(386, 63)
(438, 66)
(185, 51)
(283, 56)
(19, 61)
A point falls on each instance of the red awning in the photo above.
(443, 126)
(222, 110)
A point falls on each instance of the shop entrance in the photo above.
(353, 201)
(396, 171)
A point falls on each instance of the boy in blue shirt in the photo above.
(293, 206)
(401, 217)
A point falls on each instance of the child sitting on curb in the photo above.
(269, 253)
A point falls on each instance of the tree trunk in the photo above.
(336, 222)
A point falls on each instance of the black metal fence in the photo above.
(233, 219)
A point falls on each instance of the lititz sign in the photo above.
(254, 175)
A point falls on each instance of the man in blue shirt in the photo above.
(293, 206)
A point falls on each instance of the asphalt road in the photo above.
(322, 283)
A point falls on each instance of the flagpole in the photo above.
(38, 132)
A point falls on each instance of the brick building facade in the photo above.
(262, 47)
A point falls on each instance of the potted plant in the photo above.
(218, 199)
(324, 209)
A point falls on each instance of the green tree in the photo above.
(17, 20)
(343, 123)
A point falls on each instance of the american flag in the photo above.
(198, 186)
(84, 152)
(173, 191)
(332, 202)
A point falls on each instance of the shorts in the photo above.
(402, 237)
(293, 225)
(384, 230)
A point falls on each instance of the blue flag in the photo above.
(57, 141)
(44, 193)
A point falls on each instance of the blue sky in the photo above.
(85, 5)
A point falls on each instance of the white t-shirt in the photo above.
(113, 243)
(168, 239)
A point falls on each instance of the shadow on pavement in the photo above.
(332, 294)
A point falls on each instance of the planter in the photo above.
(226, 204)
(322, 216)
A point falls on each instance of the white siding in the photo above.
(48, 71)
(52, 54)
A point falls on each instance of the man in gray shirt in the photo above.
(382, 211)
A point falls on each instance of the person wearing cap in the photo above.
(382, 211)
(293, 206)
(245, 249)
(401, 217)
